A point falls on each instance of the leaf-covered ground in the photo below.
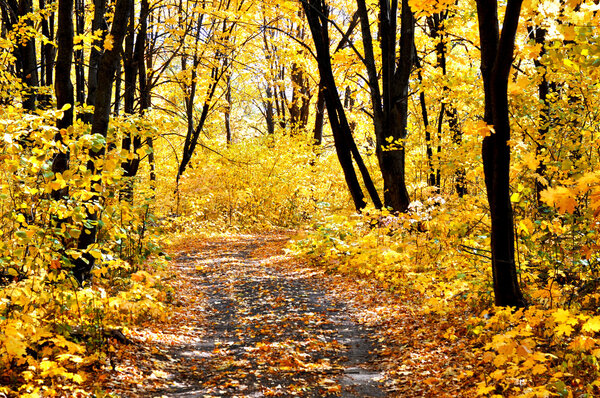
(250, 321)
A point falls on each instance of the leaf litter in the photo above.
(248, 320)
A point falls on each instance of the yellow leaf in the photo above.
(47, 365)
(561, 197)
(530, 160)
(582, 343)
(97, 254)
(568, 32)
(499, 360)
(523, 351)
(14, 344)
(561, 316)
(109, 42)
(483, 389)
(563, 329)
(592, 325)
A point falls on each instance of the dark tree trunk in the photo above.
(300, 99)
(316, 15)
(144, 58)
(281, 100)
(106, 76)
(544, 119)
(300, 104)
(460, 174)
(47, 57)
(228, 133)
(437, 32)
(118, 82)
(269, 110)
(319, 116)
(146, 86)
(134, 65)
(191, 139)
(28, 61)
(390, 106)
(78, 54)
(395, 106)
(431, 171)
(216, 74)
(63, 88)
(496, 61)
(129, 67)
(98, 23)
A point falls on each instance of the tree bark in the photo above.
(496, 61)
(106, 76)
(98, 24)
(63, 88)
(316, 15)
(78, 54)
(134, 65)
(319, 116)
(46, 57)
(390, 105)
(28, 60)
(539, 35)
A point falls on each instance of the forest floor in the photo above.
(250, 321)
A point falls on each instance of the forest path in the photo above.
(250, 321)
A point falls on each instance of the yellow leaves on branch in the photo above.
(429, 7)
(479, 128)
(561, 198)
(518, 347)
(565, 198)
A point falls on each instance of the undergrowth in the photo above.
(54, 332)
(436, 255)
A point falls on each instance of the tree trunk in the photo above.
(118, 82)
(63, 88)
(134, 64)
(98, 23)
(106, 76)
(541, 184)
(390, 106)
(316, 15)
(78, 54)
(228, 133)
(46, 57)
(436, 32)
(269, 110)
(319, 116)
(28, 60)
(431, 171)
(496, 60)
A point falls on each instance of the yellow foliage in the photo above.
(561, 197)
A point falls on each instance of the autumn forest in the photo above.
(314, 198)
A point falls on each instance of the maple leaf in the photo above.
(563, 330)
(592, 325)
(560, 197)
